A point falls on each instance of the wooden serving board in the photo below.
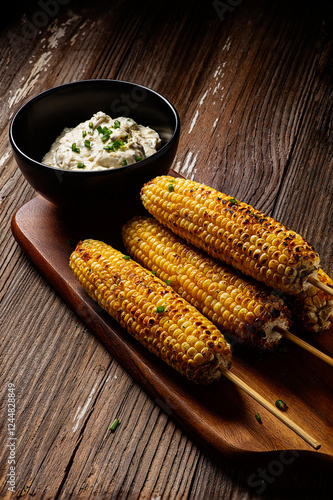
(220, 416)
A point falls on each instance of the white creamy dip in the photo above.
(102, 143)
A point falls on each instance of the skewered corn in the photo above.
(151, 311)
(236, 304)
(232, 231)
(313, 307)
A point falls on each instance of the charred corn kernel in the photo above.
(237, 305)
(179, 334)
(313, 308)
(233, 232)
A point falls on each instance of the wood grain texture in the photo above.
(254, 94)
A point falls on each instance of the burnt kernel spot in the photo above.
(275, 313)
(86, 256)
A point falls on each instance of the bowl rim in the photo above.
(133, 166)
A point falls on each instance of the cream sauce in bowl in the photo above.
(102, 143)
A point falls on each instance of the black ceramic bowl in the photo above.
(39, 121)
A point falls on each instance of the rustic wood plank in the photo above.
(274, 62)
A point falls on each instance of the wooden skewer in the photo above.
(318, 284)
(271, 408)
(304, 345)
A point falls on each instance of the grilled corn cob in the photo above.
(232, 231)
(239, 306)
(151, 311)
(313, 308)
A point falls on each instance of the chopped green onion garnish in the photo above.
(116, 124)
(171, 188)
(87, 143)
(168, 282)
(91, 125)
(160, 309)
(113, 146)
(74, 148)
(105, 137)
(258, 418)
(233, 201)
(81, 165)
(281, 405)
(84, 133)
(114, 425)
(124, 163)
(138, 158)
(126, 257)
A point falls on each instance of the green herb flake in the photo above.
(81, 165)
(74, 148)
(91, 125)
(171, 188)
(105, 137)
(138, 158)
(160, 309)
(126, 257)
(116, 124)
(124, 163)
(154, 273)
(258, 418)
(168, 282)
(87, 144)
(281, 405)
(113, 146)
(84, 133)
(233, 201)
(114, 425)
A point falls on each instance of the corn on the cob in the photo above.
(239, 306)
(313, 308)
(231, 231)
(151, 311)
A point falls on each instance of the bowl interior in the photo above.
(41, 119)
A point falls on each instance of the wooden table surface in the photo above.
(252, 82)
